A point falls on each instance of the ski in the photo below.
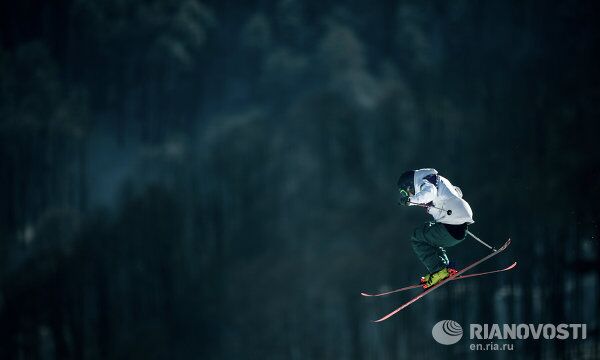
(512, 266)
(443, 282)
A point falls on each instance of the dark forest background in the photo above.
(184, 179)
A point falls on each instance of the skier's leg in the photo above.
(428, 243)
(444, 236)
(431, 255)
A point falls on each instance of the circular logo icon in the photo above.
(447, 332)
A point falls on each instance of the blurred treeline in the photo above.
(216, 180)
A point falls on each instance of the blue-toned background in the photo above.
(184, 179)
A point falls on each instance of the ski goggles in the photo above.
(403, 193)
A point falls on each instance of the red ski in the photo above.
(445, 281)
(512, 266)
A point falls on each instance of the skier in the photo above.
(452, 215)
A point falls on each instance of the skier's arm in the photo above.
(426, 194)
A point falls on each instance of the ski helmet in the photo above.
(406, 182)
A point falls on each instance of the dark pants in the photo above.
(429, 241)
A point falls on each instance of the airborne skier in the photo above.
(452, 215)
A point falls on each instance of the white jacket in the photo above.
(444, 195)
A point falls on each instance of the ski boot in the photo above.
(432, 279)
